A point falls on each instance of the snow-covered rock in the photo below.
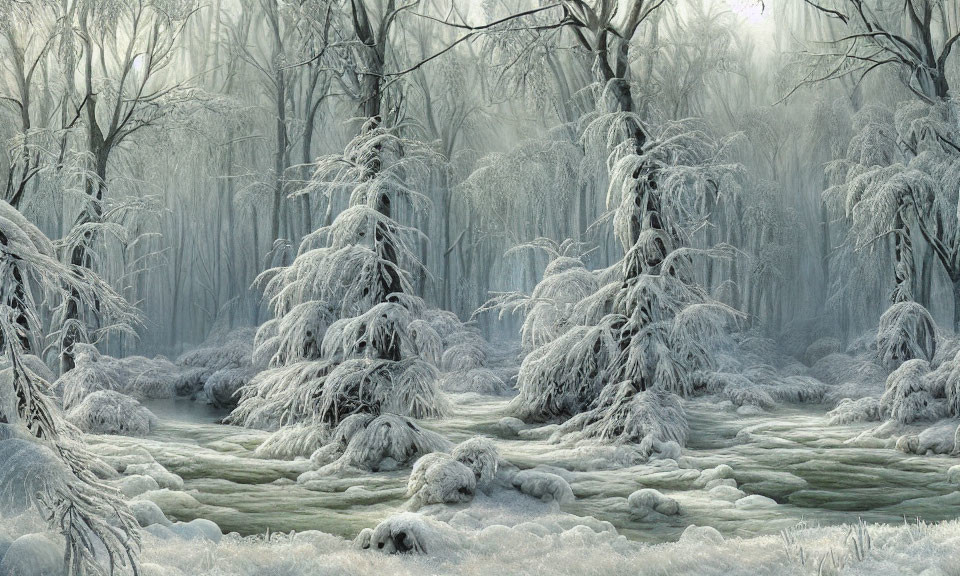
(407, 533)
(136, 485)
(543, 485)
(953, 474)
(721, 472)
(697, 535)
(755, 502)
(510, 426)
(33, 555)
(439, 479)
(645, 501)
(148, 513)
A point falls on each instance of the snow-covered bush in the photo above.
(222, 388)
(109, 412)
(439, 479)
(385, 442)
(849, 411)
(908, 397)
(481, 456)
(906, 331)
(479, 380)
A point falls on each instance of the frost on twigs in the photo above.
(906, 331)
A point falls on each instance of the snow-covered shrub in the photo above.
(839, 368)
(625, 414)
(231, 350)
(647, 500)
(850, 411)
(386, 442)
(481, 456)
(479, 380)
(109, 412)
(463, 357)
(302, 439)
(439, 479)
(90, 374)
(906, 331)
(820, 348)
(750, 396)
(908, 398)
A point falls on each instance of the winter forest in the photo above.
(478, 287)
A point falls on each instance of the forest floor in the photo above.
(800, 496)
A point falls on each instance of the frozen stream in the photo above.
(790, 455)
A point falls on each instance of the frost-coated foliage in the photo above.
(43, 463)
(349, 336)
(907, 331)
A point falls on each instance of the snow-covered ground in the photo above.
(775, 491)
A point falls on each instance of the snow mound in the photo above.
(109, 412)
(699, 535)
(709, 476)
(755, 502)
(481, 456)
(543, 485)
(646, 501)
(147, 513)
(408, 533)
(33, 555)
(439, 479)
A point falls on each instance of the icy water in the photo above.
(790, 455)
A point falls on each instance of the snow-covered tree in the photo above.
(44, 463)
(349, 335)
